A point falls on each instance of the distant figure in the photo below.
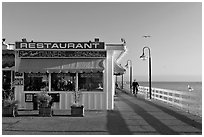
(116, 85)
(135, 87)
(190, 88)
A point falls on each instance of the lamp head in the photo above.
(126, 65)
(143, 57)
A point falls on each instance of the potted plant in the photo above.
(77, 109)
(9, 104)
(45, 103)
(9, 107)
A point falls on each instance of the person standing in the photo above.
(135, 87)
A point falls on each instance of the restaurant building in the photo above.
(61, 68)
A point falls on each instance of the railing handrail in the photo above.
(171, 91)
(180, 99)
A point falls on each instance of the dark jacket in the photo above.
(135, 84)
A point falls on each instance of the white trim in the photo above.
(7, 69)
(77, 80)
(115, 47)
(49, 81)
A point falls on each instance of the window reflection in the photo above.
(36, 82)
(91, 81)
(63, 81)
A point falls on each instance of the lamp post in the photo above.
(122, 77)
(130, 73)
(122, 82)
(144, 58)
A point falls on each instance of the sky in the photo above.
(175, 30)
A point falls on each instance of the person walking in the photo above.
(135, 87)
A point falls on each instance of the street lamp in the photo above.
(130, 73)
(144, 58)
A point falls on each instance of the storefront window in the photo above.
(91, 81)
(63, 81)
(36, 82)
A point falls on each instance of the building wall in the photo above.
(91, 100)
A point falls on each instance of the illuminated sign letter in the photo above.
(70, 45)
(86, 45)
(47, 45)
(96, 45)
(31, 45)
(79, 46)
(23, 45)
(40, 46)
(61, 45)
(54, 46)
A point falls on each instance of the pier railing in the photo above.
(180, 99)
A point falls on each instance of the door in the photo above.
(35, 102)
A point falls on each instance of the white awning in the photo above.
(118, 69)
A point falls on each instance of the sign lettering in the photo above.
(60, 45)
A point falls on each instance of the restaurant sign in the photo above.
(60, 45)
(60, 54)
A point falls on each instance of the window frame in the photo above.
(40, 74)
(92, 90)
